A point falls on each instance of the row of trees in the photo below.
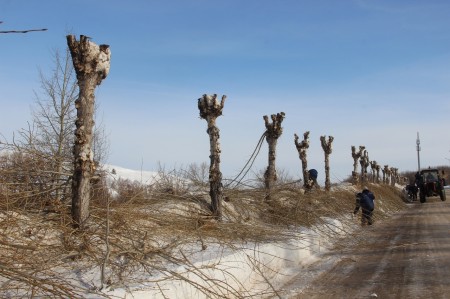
(390, 175)
(69, 161)
(210, 108)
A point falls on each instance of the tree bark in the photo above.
(210, 109)
(91, 63)
(273, 132)
(302, 148)
(327, 149)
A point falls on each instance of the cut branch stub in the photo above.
(327, 145)
(210, 107)
(89, 58)
(274, 129)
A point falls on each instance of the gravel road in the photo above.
(407, 256)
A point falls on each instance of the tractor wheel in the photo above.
(442, 195)
(422, 197)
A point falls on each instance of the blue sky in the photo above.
(367, 72)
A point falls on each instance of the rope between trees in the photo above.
(251, 159)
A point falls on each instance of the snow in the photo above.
(251, 270)
(248, 269)
(141, 176)
(204, 269)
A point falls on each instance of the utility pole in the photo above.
(418, 151)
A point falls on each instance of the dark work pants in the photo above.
(366, 217)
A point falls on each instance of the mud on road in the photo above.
(407, 256)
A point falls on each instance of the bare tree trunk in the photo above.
(273, 132)
(210, 109)
(327, 149)
(91, 63)
(394, 176)
(301, 148)
(364, 161)
(386, 174)
(356, 156)
(366, 165)
(378, 167)
(373, 166)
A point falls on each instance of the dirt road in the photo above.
(407, 256)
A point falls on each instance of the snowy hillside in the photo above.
(141, 176)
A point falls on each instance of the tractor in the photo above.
(430, 184)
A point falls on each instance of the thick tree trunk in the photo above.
(302, 147)
(91, 64)
(210, 109)
(273, 132)
(327, 149)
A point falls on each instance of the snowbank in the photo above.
(251, 269)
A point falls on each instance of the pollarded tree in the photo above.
(91, 63)
(364, 161)
(327, 149)
(302, 148)
(373, 166)
(394, 176)
(210, 109)
(386, 174)
(378, 168)
(273, 132)
(356, 155)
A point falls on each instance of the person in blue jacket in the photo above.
(365, 201)
(313, 178)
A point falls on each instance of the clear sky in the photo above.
(366, 72)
